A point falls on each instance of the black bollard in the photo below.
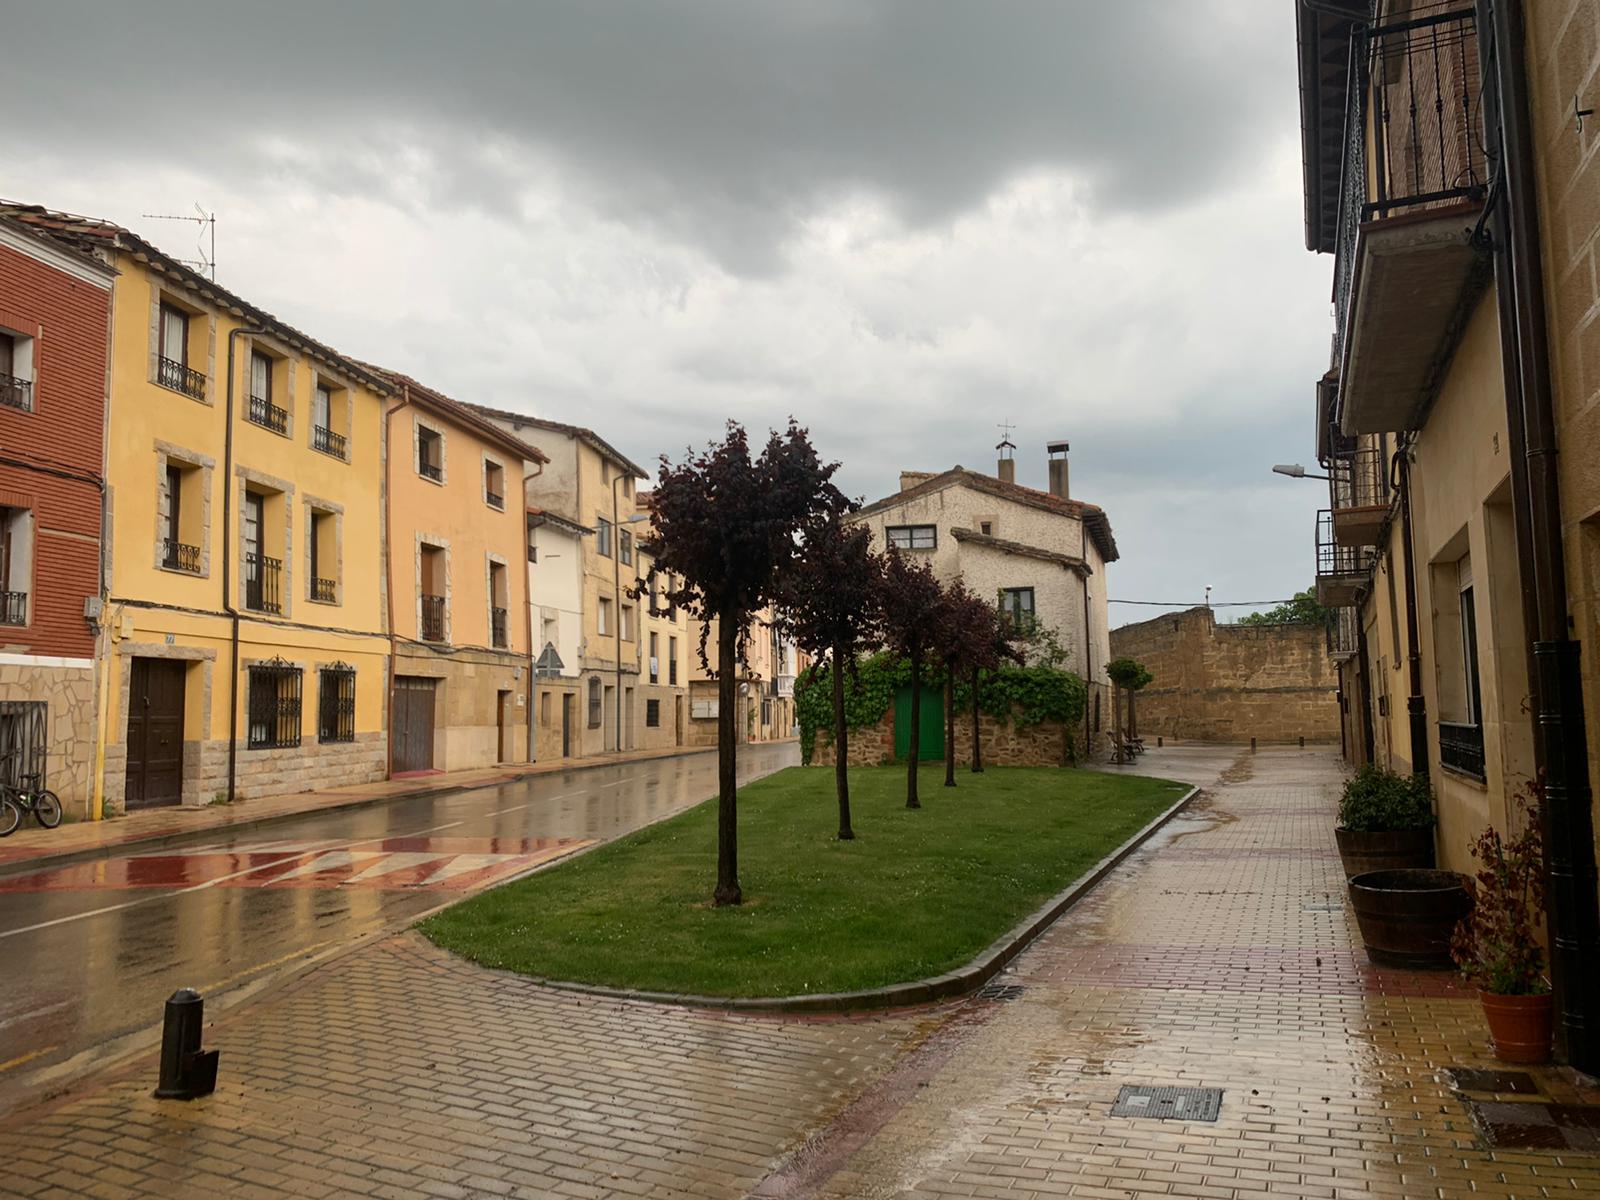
(1252, 745)
(1302, 743)
(1160, 742)
(187, 1072)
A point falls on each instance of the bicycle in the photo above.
(17, 802)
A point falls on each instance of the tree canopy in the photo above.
(1301, 609)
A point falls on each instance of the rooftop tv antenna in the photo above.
(1005, 444)
(205, 244)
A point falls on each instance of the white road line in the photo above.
(38, 1012)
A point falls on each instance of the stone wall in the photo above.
(1231, 683)
(1005, 744)
(68, 693)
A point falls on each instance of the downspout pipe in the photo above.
(1561, 748)
(1416, 703)
(388, 562)
(227, 561)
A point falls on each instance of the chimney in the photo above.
(1058, 468)
(910, 479)
(1008, 465)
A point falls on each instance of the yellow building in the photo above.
(1448, 175)
(457, 584)
(765, 690)
(248, 647)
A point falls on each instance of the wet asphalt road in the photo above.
(89, 951)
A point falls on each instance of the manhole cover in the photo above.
(1502, 1083)
(1001, 992)
(1529, 1126)
(1169, 1103)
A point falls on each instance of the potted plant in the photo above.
(1385, 822)
(1497, 945)
(1408, 915)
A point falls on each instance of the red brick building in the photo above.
(54, 345)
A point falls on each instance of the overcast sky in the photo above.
(901, 222)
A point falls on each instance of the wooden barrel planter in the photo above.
(1407, 916)
(1390, 850)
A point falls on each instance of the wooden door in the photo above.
(501, 701)
(155, 733)
(566, 725)
(413, 723)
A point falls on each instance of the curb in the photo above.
(46, 862)
(960, 982)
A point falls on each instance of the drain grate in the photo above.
(1525, 1125)
(1322, 908)
(1169, 1103)
(1499, 1083)
(1000, 992)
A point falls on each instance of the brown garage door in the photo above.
(413, 723)
(155, 733)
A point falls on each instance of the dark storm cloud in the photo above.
(721, 121)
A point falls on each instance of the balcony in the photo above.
(324, 591)
(430, 470)
(1461, 748)
(16, 392)
(173, 374)
(1409, 262)
(176, 556)
(497, 628)
(1358, 482)
(262, 578)
(1341, 570)
(268, 415)
(1343, 640)
(13, 608)
(327, 441)
(432, 618)
(494, 499)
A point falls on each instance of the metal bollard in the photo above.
(1252, 745)
(1160, 742)
(187, 1072)
(1302, 742)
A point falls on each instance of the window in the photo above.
(655, 663)
(24, 741)
(172, 353)
(602, 541)
(594, 702)
(494, 484)
(263, 573)
(274, 705)
(16, 564)
(652, 713)
(913, 537)
(323, 547)
(499, 603)
(533, 539)
(178, 552)
(16, 370)
(627, 622)
(1017, 604)
(430, 454)
(431, 587)
(986, 528)
(625, 547)
(324, 436)
(1469, 655)
(604, 617)
(262, 411)
(672, 661)
(336, 703)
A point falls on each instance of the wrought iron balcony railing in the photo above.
(268, 415)
(1461, 748)
(13, 608)
(1341, 570)
(432, 618)
(323, 589)
(262, 577)
(327, 441)
(430, 470)
(494, 499)
(497, 627)
(1359, 479)
(16, 392)
(176, 556)
(173, 374)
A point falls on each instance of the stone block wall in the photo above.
(1231, 683)
(1004, 743)
(68, 693)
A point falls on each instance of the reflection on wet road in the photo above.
(89, 951)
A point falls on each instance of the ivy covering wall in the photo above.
(1026, 696)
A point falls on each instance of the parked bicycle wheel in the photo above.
(47, 807)
(10, 816)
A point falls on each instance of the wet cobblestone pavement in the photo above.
(1220, 956)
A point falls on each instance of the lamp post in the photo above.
(1295, 471)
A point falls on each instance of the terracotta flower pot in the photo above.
(1520, 1025)
(1407, 917)
(1389, 850)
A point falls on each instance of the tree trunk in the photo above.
(914, 741)
(841, 747)
(977, 745)
(950, 725)
(727, 764)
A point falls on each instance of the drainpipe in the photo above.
(1088, 677)
(388, 562)
(1416, 704)
(1561, 748)
(527, 609)
(227, 562)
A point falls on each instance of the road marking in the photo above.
(28, 1057)
(222, 983)
(38, 1012)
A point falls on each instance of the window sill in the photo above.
(325, 603)
(1481, 782)
(344, 458)
(430, 479)
(178, 391)
(185, 574)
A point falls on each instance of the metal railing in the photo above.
(494, 499)
(176, 556)
(16, 392)
(430, 470)
(336, 703)
(262, 576)
(268, 415)
(327, 441)
(274, 705)
(323, 589)
(1461, 748)
(173, 374)
(497, 628)
(1358, 479)
(432, 618)
(1335, 561)
(13, 608)
(1342, 635)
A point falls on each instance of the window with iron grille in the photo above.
(336, 703)
(913, 537)
(594, 702)
(652, 713)
(22, 739)
(274, 705)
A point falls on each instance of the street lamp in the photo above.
(1294, 471)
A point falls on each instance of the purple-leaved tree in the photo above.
(912, 599)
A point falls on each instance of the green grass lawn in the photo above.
(917, 893)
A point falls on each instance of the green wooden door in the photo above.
(931, 743)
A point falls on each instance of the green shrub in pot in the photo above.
(1380, 801)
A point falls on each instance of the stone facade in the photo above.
(68, 693)
(1231, 683)
(1005, 744)
(466, 725)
